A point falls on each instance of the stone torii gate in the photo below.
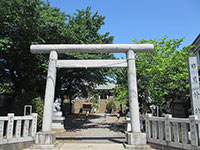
(135, 137)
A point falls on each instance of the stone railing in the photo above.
(14, 129)
(182, 133)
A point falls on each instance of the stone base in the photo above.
(39, 146)
(57, 123)
(57, 113)
(45, 138)
(135, 138)
(136, 141)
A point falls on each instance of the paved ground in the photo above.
(89, 146)
(94, 133)
(95, 129)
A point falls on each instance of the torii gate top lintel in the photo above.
(92, 48)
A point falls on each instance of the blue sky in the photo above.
(142, 19)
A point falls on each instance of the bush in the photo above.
(95, 102)
(111, 105)
(38, 105)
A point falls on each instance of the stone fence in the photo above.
(181, 133)
(14, 129)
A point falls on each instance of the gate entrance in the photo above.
(129, 63)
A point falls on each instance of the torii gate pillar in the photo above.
(134, 139)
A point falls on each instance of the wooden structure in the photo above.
(87, 106)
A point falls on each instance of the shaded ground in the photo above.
(94, 129)
(94, 133)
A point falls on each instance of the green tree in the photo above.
(25, 22)
(111, 105)
(121, 93)
(84, 29)
(95, 102)
(163, 75)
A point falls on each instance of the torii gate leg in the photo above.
(134, 138)
(50, 92)
(132, 92)
(47, 137)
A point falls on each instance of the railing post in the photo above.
(161, 130)
(18, 129)
(184, 130)
(168, 127)
(176, 132)
(148, 128)
(193, 131)
(34, 124)
(154, 129)
(9, 133)
(1, 128)
(26, 128)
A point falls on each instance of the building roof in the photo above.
(107, 86)
(197, 43)
(194, 42)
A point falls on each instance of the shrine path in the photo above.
(95, 129)
(95, 133)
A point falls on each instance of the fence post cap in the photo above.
(34, 114)
(168, 115)
(11, 114)
(148, 115)
(193, 117)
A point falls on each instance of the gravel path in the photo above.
(96, 129)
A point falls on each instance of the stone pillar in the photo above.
(46, 138)
(50, 92)
(132, 93)
(193, 131)
(34, 125)
(9, 131)
(134, 139)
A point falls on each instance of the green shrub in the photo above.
(38, 105)
(111, 105)
(95, 102)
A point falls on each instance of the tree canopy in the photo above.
(162, 76)
(25, 22)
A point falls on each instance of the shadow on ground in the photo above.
(91, 139)
(78, 121)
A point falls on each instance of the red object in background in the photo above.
(86, 103)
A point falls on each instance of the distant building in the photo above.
(196, 49)
(106, 90)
